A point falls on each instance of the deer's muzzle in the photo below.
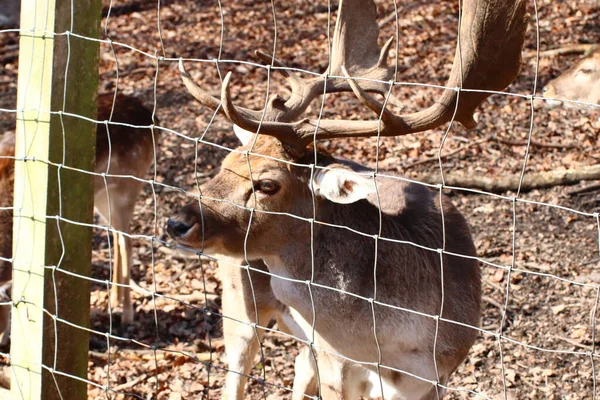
(177, 229)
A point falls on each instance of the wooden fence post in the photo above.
(57, 73)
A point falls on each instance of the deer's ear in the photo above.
(342, 185)
(242, 134)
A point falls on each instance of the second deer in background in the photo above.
(127, 152)
(122, 152)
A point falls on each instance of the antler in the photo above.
(487, 58)
(354, 45)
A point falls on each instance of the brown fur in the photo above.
(407, 276)
(7, 152)
(124, 140)
(131, 151)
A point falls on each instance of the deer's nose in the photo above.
(177, 229)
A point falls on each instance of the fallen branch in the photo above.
(197, 297)
(499, 184)
(159, 354)
(497, 139)
(536, 143)
(569, 49)
(592, 261)
(402, 10)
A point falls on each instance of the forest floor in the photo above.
(548, 330)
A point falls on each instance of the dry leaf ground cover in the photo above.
(547, 348)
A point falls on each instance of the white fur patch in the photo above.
(343, 187)
(242, 134)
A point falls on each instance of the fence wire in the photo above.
(154, 241)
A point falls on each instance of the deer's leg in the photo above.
(102, 205)
(305, 375)
(241, 341)
(124, 274)
(115, 290)
(305, 368)
(118, 206)
(331, 374)
(121, 213)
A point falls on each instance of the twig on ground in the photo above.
(497, 139)
(149, 354)
(592, 261)
(573, 342)
(536, 143)
(130, 384)
(585, 189)
(493, 302)
(388, 19)
(197, 297)
(569, 49)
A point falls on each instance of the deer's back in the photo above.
(129, 149)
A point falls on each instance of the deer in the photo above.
(370, 253)
(579, 83)
(7, 175)
(10, 13)
(122, 152)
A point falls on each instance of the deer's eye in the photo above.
(268, 186)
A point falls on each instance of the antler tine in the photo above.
(299, 134)
(354, 44)
(304, 91)
(202, 96)
(286, 132)
(368, 101)
(487, 59)
(206, 99)
(491, 38)
(488, 56)
(267, 59)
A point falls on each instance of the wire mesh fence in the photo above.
(537, 249)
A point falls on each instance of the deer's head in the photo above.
(263, 181)
(579, 83)
(263, 188)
